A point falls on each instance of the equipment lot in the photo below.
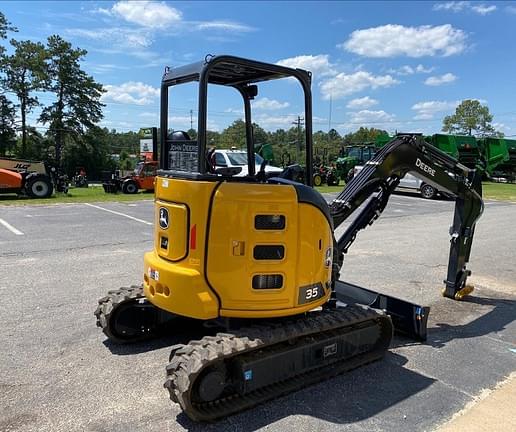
(58, 375)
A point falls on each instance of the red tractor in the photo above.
(142, 178)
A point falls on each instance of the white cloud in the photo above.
(440, 80)
(345, 84)
(183, 123)
(454, 6)
(131, 92)
(269, 122)
(459, 6)
(501, 127)
(362, 103)
(101, 68)
(102, 11)
(237, 111)
(153, 15)
(120, 36)
(409, 70)
(224, 26)
(319, 65)
(483, 9)
(428, 109)
(150, 115)
(366, 117)
(394, 40)
(421, 69)
(269, 104)
(147, 13)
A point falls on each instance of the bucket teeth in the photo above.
(468, 289)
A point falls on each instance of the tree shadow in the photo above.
(348, 398)
(10, 197)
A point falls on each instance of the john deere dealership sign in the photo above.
(145, 140)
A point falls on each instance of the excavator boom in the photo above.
(372, 187)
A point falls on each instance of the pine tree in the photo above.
(77, 106)
(470, 117)
(25, 72)
(7, 129)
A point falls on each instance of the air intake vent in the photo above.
(269, 252)
(273, 281)
(269, 222)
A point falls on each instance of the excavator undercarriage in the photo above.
(256, 260)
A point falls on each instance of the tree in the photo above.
(363, 135)
(25, 72)
(5, 26)
(234, 135)
(7, 127)
(91, 151)
(77, 106)
(470, 117)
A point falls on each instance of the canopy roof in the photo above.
(232, 71)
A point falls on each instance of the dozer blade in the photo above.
(220, 375)
(408, 318)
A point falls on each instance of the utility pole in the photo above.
(329, 120)
(299, 122)
(191, 119)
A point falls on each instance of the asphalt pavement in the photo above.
(58, 373)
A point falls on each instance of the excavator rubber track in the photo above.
(221, 375)
(126, 316)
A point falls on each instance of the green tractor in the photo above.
(352, 156)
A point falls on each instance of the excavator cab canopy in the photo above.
(187, 157)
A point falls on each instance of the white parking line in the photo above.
(10, 227)
(119, 214)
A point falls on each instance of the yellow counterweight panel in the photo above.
(315, 247)
(238, 251)
(173, 280)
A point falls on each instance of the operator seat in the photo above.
(178, 136)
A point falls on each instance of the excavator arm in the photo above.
(370, 189)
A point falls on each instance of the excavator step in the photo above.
(220, 375)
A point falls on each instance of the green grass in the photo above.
(330, 189)
(499, 191)
(496, 191)
(75, 195)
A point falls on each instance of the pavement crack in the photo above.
(71, 249)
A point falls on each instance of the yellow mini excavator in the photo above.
(256, 256)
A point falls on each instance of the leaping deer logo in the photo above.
(163, 218)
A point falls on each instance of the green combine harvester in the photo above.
(496, 156)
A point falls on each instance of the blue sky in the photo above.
(394, 65)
